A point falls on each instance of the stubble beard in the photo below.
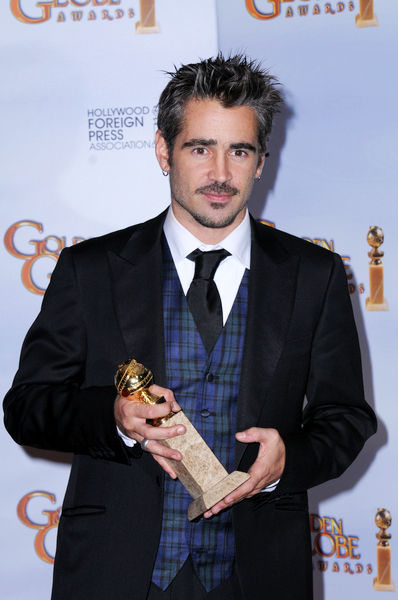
(206, 220)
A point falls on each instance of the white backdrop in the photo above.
(331, 174)
(77, 157)
(64, 82)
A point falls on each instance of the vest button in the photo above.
(210, 377)
(205, 413)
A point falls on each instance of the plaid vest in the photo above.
(206, 386)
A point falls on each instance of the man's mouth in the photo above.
(218, 192)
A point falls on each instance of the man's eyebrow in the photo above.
(211, 142)
(243, 146)
(199, 142)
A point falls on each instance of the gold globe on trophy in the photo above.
(200, 471)
(132, 380)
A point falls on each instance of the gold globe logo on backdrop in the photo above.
(365, 17)
(34, 13)
(41, 249)
(376, 299)
(52, 520)
(383, 581)
(329, 245)
(333, 550)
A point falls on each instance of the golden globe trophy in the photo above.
(366, 16)
(200, 471)
(376, 300)
(147, 22)
(383, 581)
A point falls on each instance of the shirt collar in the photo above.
(182, 242)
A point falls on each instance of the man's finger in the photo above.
(222, 505)
(159, 433)
(258, 434)
(148, 411)
(165, 466)
(166, 394)
(237, 495)
(253, 434)
(158, 449)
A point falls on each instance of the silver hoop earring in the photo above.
(165, 173)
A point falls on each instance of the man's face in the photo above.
(214, 163)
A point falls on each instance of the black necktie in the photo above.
(203, 298)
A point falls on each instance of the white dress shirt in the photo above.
(227, 277)
(230, 271)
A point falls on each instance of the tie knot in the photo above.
(206, 263)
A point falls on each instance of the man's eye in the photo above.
(239, 153)
(201, 151)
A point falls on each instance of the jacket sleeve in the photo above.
(48, 406)
(336, 419)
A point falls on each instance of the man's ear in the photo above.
(162, 152)
(260, 166)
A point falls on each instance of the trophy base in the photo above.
(376, 305)
(140, 28)
(199, 471)
(359, 22)
(383, 587)
(216, 493)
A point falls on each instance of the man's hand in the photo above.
(131, 419)
(267, 468)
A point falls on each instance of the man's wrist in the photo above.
(128, 441)
(271, 487)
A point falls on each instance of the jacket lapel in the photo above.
(272, 287)
(137, 292)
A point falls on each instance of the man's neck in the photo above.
(209, 235)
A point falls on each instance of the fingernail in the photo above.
(181, 430)
(175, 456)
(241, 434)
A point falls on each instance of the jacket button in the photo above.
(205, 413)
(210, 377)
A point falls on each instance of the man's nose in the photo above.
(220, 169)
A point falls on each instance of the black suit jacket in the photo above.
(103, 305)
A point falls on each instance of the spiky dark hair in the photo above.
(234, 81)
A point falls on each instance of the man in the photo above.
(236, 334)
